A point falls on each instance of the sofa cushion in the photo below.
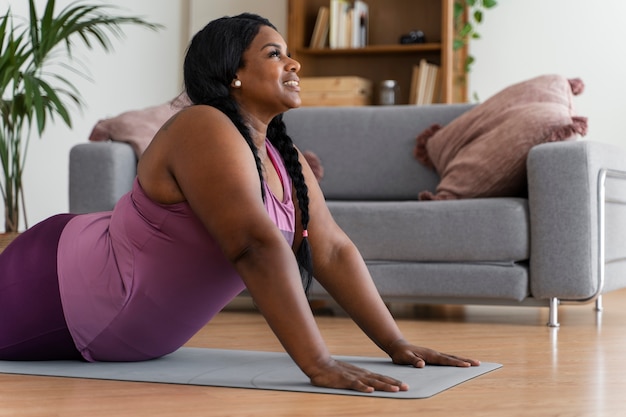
(367, 150)
(445, 283)
(483, 152)
(474, 230)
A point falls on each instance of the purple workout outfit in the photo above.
(135, 283)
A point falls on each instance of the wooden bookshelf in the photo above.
(384, 57)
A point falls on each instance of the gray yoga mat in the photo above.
(248, 369)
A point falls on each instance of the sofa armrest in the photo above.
(577, 202)
(100, 173)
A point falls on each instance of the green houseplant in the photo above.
(35, 56)
(467, 15)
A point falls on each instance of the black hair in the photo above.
(211, 63)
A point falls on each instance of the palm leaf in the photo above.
(4, 21)
(34, 100)
(52, 103)
(76, 21)
(34, 29)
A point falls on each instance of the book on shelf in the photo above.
(319, 38)
(432, 85)
(414, 80)
(360, 24)
(349, 24)
(338, 22)
(424, 83)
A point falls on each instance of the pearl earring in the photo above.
(237, 83)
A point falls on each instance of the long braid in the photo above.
(277, 134)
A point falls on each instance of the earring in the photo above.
(237, 83)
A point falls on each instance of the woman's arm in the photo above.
(340, 269)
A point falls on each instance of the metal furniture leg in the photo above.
(553, 320)
(599, 304)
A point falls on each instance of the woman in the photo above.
(221, 202)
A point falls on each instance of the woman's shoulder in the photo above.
(198, 114)
(191, 142)
(197, 122)
(201, 109)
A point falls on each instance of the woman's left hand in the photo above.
(404, 353)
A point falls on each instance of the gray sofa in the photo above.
(564, 243)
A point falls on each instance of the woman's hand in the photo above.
(342, 375)
(404, 353)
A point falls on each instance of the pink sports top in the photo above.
(139, 281)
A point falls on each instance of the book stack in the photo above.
(344, 24)
(424, 84)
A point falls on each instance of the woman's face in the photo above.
(269, 80)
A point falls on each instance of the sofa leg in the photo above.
(553, 320)
(599, 305)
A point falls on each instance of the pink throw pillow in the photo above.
(137, 127)
(483, 152)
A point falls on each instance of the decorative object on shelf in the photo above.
(335, 91)
(35, 56)
(415, 36)
(388, 92)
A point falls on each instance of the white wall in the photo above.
(575, 38)
(203, 11)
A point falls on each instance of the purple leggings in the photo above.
(32, 324)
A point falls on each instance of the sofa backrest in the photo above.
(367, 151)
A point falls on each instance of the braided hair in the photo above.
(211, 63)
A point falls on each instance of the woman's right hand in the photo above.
(342, 375)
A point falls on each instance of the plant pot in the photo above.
(6, 238)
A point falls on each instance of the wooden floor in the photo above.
(576, 370)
